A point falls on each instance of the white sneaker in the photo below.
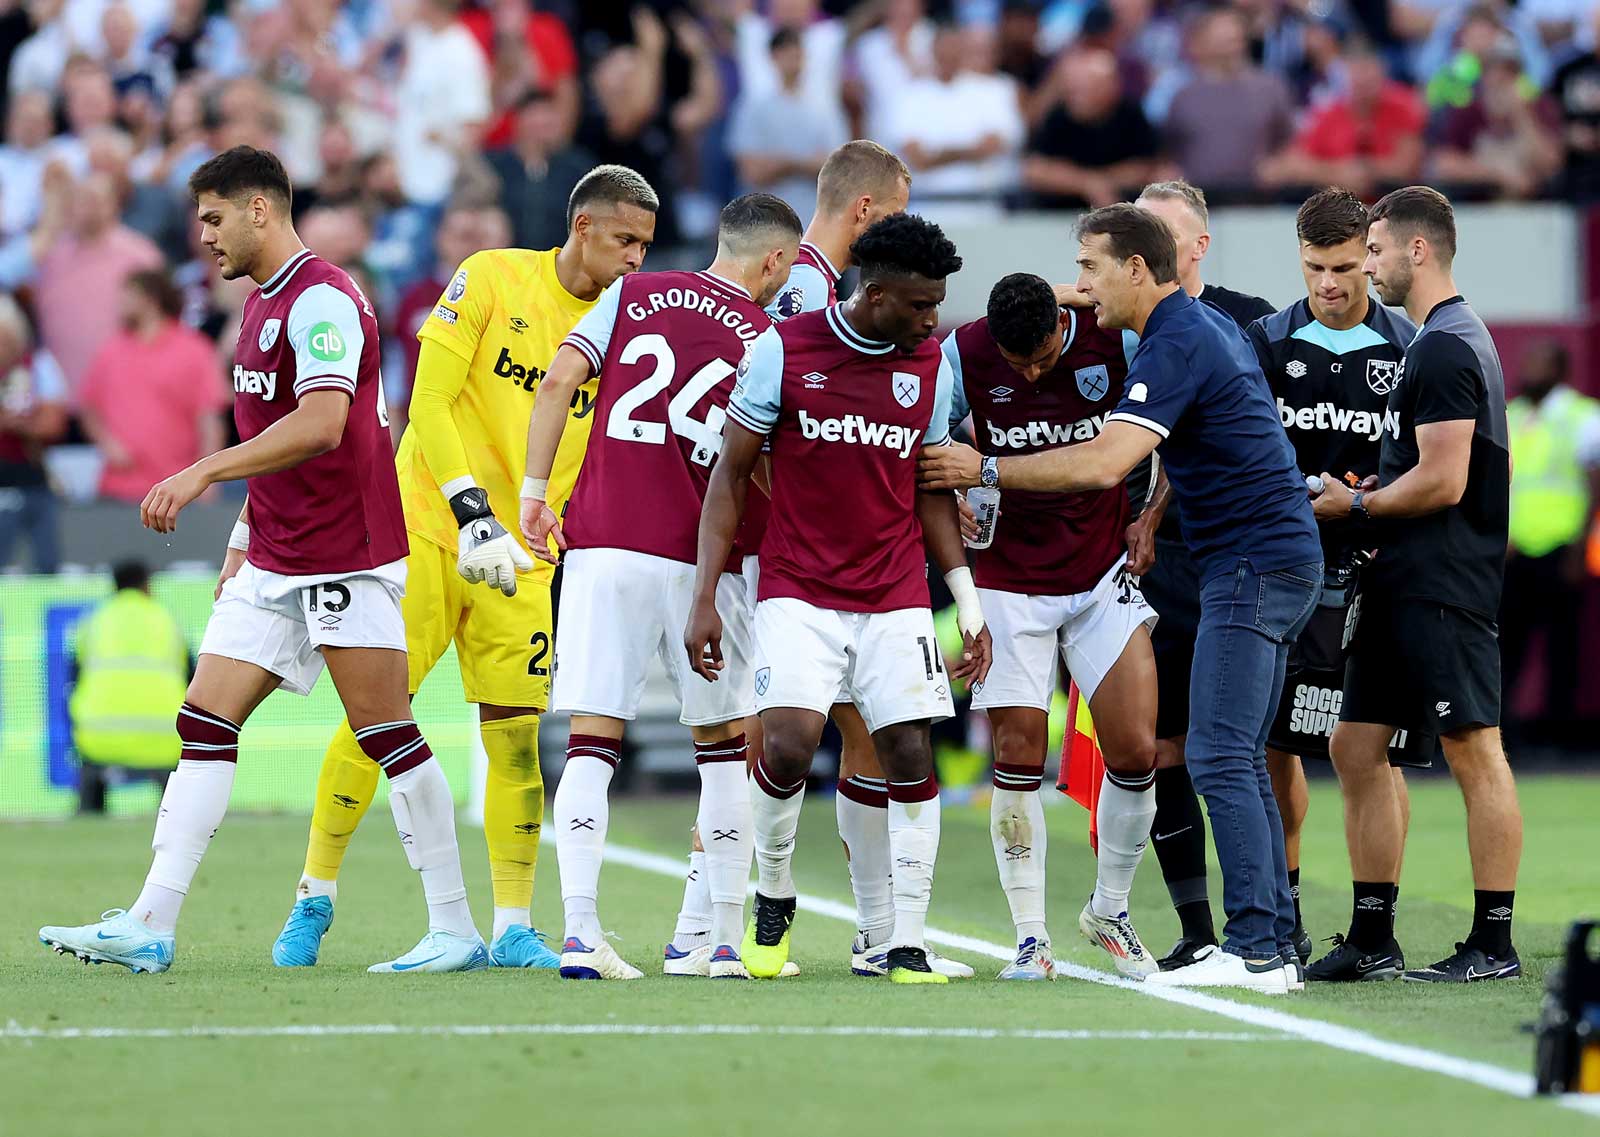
(1034, 961)
(117, 938)
(695, 961)
(874, 961)
(579, 961)
(726, 964)
(1116, 935)
(1294, 975)
(441, 951)
(1218, 968)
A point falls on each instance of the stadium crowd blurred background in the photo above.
(418, 131)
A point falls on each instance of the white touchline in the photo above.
(16, 1032)
(1312, 1030)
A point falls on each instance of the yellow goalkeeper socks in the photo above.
(344, 791)
(513, 814)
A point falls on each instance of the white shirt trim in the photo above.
(277, 280)
(852, 338)
(1148, 424)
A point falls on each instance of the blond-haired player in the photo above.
(485, 349)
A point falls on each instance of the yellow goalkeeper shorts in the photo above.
(505, 644)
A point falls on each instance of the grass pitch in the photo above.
(226, 1043)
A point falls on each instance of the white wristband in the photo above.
(969, 612)
(538, 488)
(240, 537)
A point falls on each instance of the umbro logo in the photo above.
(346, 800)
(1018, 852)
(1442, 707)
(1500, 913)
(908, 863)
(814, 380)
(1370, 904)
(328, 620)
(527, 827)
(518, 324)
(1003, 394)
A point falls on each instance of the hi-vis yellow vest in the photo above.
(132, 673)
(1548, 483)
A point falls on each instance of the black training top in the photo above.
(1456, 556)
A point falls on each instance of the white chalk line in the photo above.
(16, 1032)
(1311, 1030)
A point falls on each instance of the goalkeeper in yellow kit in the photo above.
(485, 348)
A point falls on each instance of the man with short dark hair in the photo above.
(1194, 387)
(1330, 358)
(664, 348)
(1055, 581)
(846, 395)
(1426, 646)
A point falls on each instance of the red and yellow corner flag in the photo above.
(1083, 767)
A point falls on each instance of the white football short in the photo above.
(1089, 630)
(618, 608)
(750, 573)
(281, 623)
(887, 663)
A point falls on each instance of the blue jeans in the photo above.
(1248, 621)
(29, 511)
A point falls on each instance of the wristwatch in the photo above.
(1358, 508)
(989, 473)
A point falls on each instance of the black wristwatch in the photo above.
(989, 473)
(1358, 508)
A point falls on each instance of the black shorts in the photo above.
(1422, 663)
(1172, 588)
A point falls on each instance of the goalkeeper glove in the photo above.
(485, 552)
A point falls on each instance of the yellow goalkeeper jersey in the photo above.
(504, 314)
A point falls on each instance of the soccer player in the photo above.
(1331, 359)
(1172, 585)
(1426, 644)
(860, 182)
(1055, 580)
(313, 575)
(1195, 388)
(666, 346)
(485, 349)
(846, 396)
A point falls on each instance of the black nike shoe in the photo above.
(1347, 963)
(1183, 953)
(1303, 946)
(1469, 965)
(910, 965)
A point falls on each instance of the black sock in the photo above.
(1372, 914)
(1491, 922)
(1178, 835)
(1394, 909)
(1294, 891)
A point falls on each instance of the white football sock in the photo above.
(1123, 819)
(582, 816)
(192, 808)
(425, 815)
(1017, 831)
(864, 828)
(725, 821)
(312, 886)
(510, 918)
(694, 918)
(914, 847)
(776, 812)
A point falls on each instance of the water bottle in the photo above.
(985, 503)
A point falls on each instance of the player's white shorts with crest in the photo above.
(887, 663)
(280, 622)
(1089, 630)
(618, 608)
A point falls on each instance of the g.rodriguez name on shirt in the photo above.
(858, 431)
(1328, 416)
(705, 304)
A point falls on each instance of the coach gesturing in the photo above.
(1426, 649)
(1194, 388)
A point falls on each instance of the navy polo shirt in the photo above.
(1195, 381)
